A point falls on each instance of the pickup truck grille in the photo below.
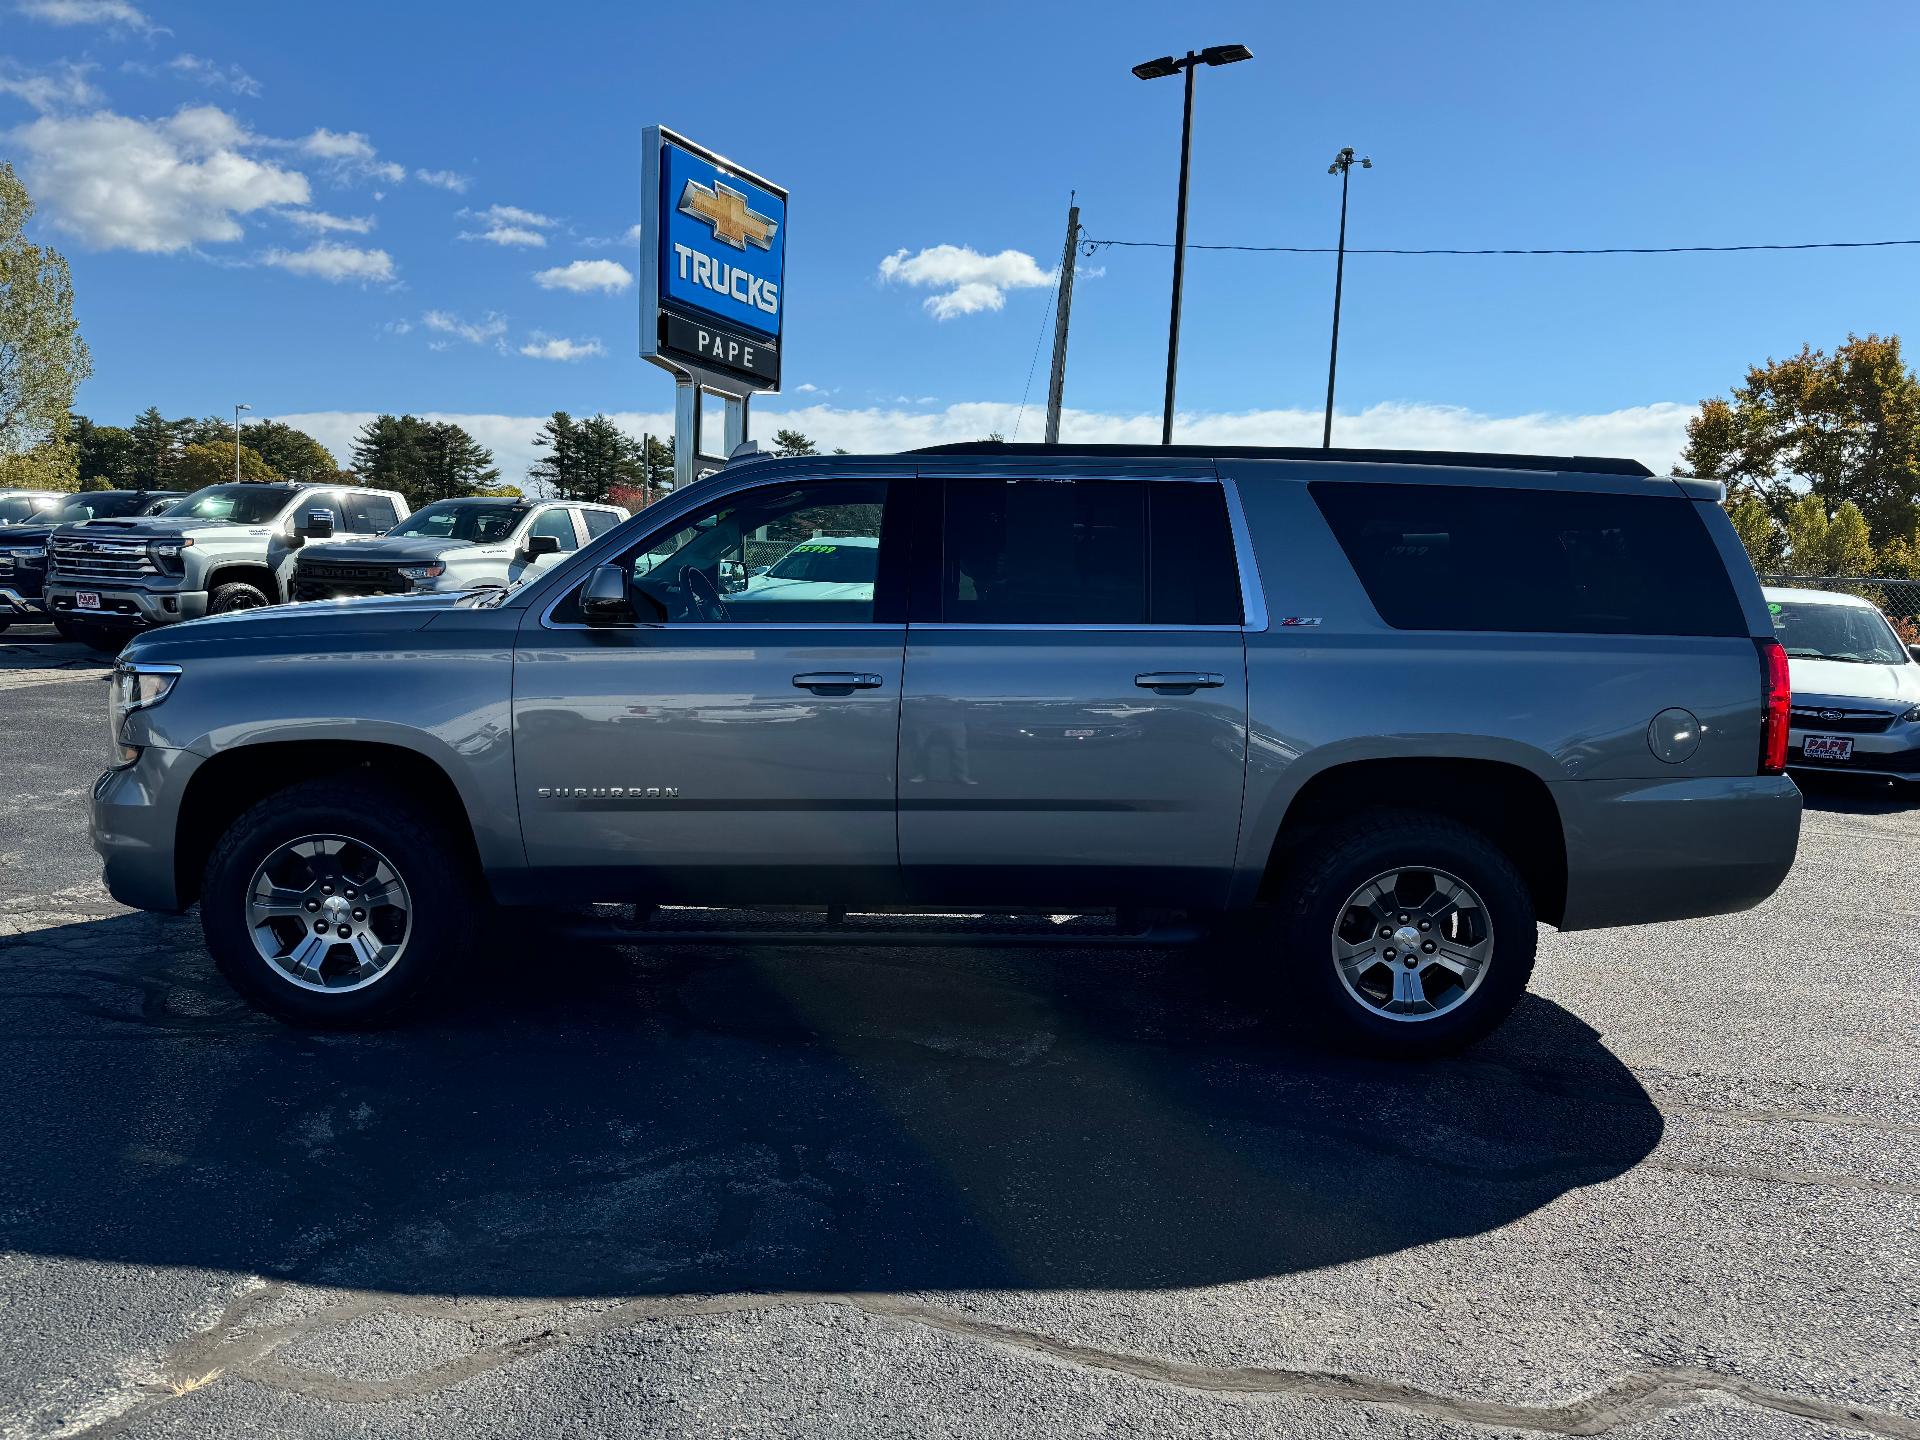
(104, 561)
(326, 581)
(1842, 722)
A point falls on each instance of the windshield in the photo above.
(233, 504)
(829, 561)
(1852, 633)
(101, 507)
(444, 520)
(19, 509)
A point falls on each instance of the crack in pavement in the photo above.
(228, 1349)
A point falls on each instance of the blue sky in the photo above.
(185, 156)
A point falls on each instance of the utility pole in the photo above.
(1342, 164)
(1057, 382)
(236, 440)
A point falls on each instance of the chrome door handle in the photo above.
(1180, 680)
(818, 680)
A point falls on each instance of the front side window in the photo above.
(1088, 552)
(719, 565)
(558, 524)
(1851, 633)
(19, 509)
(1472, 557)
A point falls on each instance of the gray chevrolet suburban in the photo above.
(1357, 720)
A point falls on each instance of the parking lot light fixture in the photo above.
(236, 440)
(1341, 166)
(1159, 69)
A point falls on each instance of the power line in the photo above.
(1048, 315)
(1094, 246)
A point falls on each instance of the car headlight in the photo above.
(136, 686)
(31, 552)
(1912, 715)
(431, 571)
(165, 554)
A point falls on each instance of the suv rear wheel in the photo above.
(338, 903)
(1409, 933)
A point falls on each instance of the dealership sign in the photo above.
(713, 280)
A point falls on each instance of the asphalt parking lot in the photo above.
(950, 1192)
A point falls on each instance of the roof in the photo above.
(1815, 597)
(1467, 459)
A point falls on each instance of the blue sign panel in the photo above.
(723, 244)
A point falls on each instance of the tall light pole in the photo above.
(236, 440)
(1342, 164)
(1156, 70)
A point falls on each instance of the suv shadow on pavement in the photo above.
(596, 1124)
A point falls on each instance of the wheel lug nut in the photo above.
(326, 889)
(1384, 932)
(1411, 962)
(319, 927)
(1428, 947)
(1403, 919)
(313, 904)
(1426, 924)
(350, 894)
(1390, 954)
(345, 933)
(359, 914)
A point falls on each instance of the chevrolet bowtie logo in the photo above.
(726, 210)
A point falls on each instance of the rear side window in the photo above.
(1087, 552)
(1465, 557)
(599, 522)
(370, 514)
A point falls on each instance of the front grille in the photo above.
(1834, 721)
(329, 580)
(101, 561)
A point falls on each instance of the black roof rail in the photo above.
(1466, 459)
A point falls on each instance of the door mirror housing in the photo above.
(538, 545)
(1914, 651)
(316, 525)
(610, 598)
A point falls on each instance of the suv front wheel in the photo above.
(338, 903)
(1410, 933)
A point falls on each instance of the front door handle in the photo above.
(1180, 680)
(830, 682)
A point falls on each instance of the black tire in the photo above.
(103, 639)
(1310, 905)
(445, 891)
(236, 595)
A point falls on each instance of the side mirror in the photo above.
(1914, 651)
(538, 545)
(317, 526)
(608, 597)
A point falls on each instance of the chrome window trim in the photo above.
(1143, 628)
(1253, 594)
(734, 627)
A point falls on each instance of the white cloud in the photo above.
(349, 155)
(636, 233)
(150, 185)
(220, 77)
(60, 86)
(1650, 433)
(479, 332)
(326, 260)
(119, 14)
(554, 347)
(967, 282)
(444, 180)
(321, 221)
(582, 276)
(509, 225)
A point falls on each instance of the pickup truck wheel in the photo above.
(1409, 933)
(336, 904)
(236, 595)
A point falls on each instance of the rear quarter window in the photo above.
(1464, 557)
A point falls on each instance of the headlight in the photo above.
(1912, 715)
(31, 552)
(136, 686)
(165, 554)
(432, 571)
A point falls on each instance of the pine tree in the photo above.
(155, 451)
(559, 467)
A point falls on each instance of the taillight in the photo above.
(1776, 705)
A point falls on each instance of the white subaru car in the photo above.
(1856, 687)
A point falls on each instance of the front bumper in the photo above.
(14, 605)
(1892, 755)
(134, 823)
(125, 605)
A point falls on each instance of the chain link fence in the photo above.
(1899, 599)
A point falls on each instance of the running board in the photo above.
(683, 927)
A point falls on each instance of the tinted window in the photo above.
(1468, 557)
(461, 520)
(599, 522)
(235, 504)
(558, 524)
(716, 566)
(371, 514)
(19, 509)
(1088, 552)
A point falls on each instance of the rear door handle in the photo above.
(1180, 680)
(842, 680)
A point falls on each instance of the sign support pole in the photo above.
(686, 429)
